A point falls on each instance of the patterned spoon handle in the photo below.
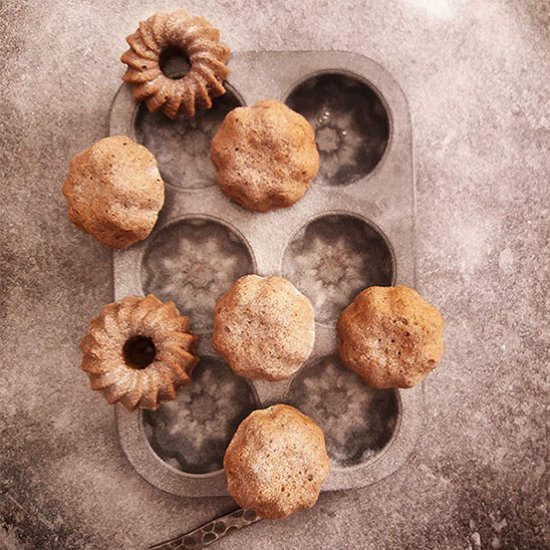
(210, 532)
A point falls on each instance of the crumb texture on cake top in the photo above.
(277, 462)
(390, 336)
(114, 191)
(265, 156)
(264, 327)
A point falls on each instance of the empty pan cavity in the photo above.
(192, 432)
(351, 123)
(193, 262)
(182, 146)
(333, 258)
(358, 421)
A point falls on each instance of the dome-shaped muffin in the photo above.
(193, 37)
(264, 328)
(265, 155)
(390, 336)
(138, 352)
(276, 462)
(114, 191)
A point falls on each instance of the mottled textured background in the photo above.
(476, 74)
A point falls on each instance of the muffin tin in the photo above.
(354, 228)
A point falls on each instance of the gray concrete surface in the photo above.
(476, 74)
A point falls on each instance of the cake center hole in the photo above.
(174, 63)
(139, 351)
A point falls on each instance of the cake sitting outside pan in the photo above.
(138, 351)
(176, 32)
(390, 336)
(114, 191)
(265, 155)
(264, 328)
(276, 462)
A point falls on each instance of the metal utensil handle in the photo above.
(210, 532)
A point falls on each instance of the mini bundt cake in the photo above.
(114, 191)
(390, 336)
(265, 156)
(138, 352)
(276, 462)
(195, 38)
(264, 328)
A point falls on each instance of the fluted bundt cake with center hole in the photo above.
(114, 191)
(390, 336)
(276, 462)
(139, 352)
(192, 37)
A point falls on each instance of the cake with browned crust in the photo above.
(390, 336)
(264, 328)
(276, 462)
(139, 352)
(114, 191)
(265, 156)
(193, 37)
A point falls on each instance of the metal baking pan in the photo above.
(354, 228)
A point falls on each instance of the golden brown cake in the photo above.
(390, 336)
(192, 37)
(265, 156)
(264, 328)
(138, 352)
(114, 191)
(276, 462)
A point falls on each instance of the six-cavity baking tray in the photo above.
(354, 228)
